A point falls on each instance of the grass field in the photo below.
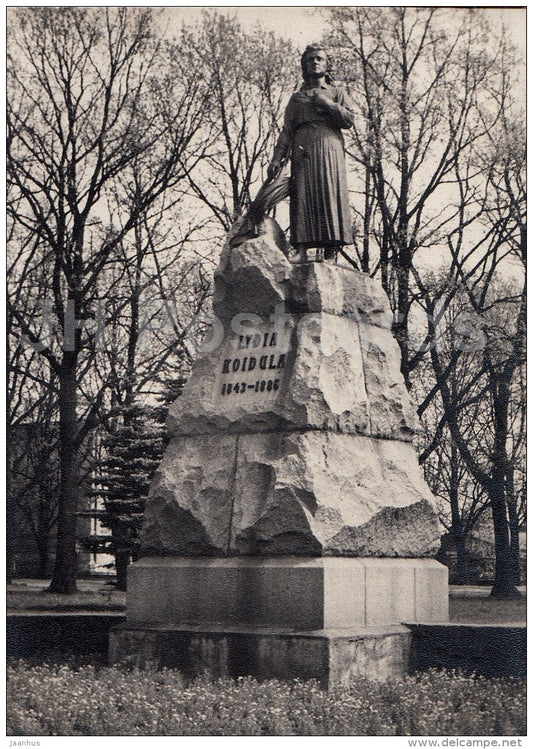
(488, 610)
(65, 700)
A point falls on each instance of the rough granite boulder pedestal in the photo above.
(291, 444)
(293, 434)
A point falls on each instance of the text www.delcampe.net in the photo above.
(464, 743)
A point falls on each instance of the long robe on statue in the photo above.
(319, 208)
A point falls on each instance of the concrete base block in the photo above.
(333, 657)
(326, 618)
(298, 593)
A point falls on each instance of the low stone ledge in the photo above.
(491, 650)
(33, 633)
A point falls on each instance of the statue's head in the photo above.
(312, 50)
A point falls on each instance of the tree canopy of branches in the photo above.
(492, 447)
(463, 342)
(419, 88)
(93, 112)
(250, 76)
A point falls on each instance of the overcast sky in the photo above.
(303, 24)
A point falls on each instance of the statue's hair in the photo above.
(314, 48)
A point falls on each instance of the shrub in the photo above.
(62, 699)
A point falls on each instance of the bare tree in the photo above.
(88, 97)
(461, 501)
(462, 339)
(417, 84)
(499, 310)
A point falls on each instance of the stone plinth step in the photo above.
(300, 593)
(334, 657)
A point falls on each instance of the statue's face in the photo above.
(316, 63)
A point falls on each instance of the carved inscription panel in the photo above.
(251, 367)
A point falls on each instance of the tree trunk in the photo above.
(504, 586)
(64, 576)
(121, 551)
(457, 525)
(122, 560)
(402, 251)
(365, 258)
(462, 566)
(514, 544)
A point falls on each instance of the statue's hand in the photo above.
(274, 168)
(323, 101)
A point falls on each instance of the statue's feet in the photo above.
(300, 256)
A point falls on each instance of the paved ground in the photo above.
(102, 585)
(92, 596)
(26, 584)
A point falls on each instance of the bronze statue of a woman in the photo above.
(312, 138)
